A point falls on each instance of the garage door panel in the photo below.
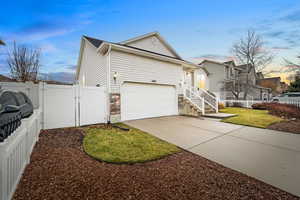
(146, 100)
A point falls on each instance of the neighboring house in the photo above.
(143, 76)
(226, 73)
(274, 83)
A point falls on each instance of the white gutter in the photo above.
(108, 83)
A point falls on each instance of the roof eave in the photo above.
(155, 33)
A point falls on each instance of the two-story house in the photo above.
(143, 77)
(229, 81)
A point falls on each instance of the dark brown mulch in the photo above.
(59, 169)
(292, 126)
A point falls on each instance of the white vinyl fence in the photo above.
(57, 106)
(92, 105)
(292, 102)
(68, 105)
(241, 103)
(249, 103)
(65, 105)
(15, 154)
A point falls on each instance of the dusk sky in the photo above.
(196, 29)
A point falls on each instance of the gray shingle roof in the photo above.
(97, 43)
(94, 41)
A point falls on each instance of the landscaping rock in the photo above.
(292, 126)
(59, 169)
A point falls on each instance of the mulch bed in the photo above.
(292, 126)
(59, 169)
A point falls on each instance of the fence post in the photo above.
(203, 107)
(217, 104)
(77, 93)
(3, 174)
(41, 96)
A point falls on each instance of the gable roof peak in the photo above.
(96, 42)
(154, 33)
(211, 61)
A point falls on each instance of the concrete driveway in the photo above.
(270, 156)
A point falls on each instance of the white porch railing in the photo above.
(208, 98)
(193, 97)
(15, 153)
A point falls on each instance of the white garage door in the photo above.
(147, 100)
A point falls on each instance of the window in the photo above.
(231, 72)
(227, 72)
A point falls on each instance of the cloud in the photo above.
(67, 66)
(72, 67)
(48, 48)
(280, 48)
(40, 31)
(292, 17)
(50, 26)
(66, 77)
(275, 34)
(60, 63)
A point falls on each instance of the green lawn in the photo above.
(117, 146)
(250, 117)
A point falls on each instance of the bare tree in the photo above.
(235, 87)
(24, 63)
(291, 66)
(251, 52)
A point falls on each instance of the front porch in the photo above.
(196, 100)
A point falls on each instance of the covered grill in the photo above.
(13, 107)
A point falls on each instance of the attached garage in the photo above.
(147, 100)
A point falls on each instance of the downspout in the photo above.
(108, 88)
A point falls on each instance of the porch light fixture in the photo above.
(181, 82)
(115, 76)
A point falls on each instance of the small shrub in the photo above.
(227, 104)
(259, 106)
(284, 110)
(237, 104)
(278, 109)
(221, 106)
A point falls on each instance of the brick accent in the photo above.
(115, 104)
(185, 108)
(180, 103)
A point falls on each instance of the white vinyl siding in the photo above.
(93, 67)
(216, 76)
(134, 68)
(147, 100)
(152, 44)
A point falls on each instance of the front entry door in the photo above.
(189, 79)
